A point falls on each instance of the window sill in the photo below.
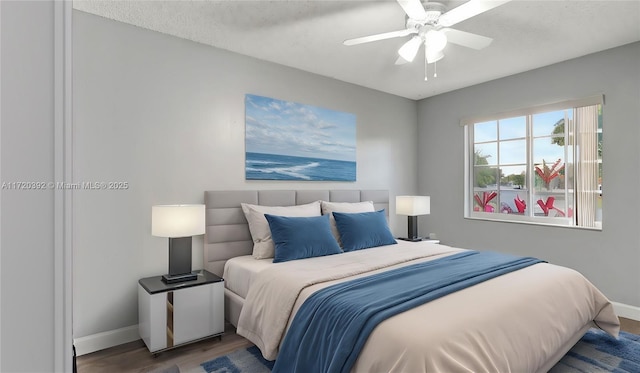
(597, 228)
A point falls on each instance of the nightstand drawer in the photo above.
(198, 312)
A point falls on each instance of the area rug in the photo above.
(595, 352)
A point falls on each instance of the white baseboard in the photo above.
(100, 341)
(627, 311)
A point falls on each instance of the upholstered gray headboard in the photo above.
(227, 233)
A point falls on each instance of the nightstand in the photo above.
(171, 315)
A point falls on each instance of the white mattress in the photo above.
(239, 271)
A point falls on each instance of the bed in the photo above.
(522, 321)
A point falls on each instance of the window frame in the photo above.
(468, 124)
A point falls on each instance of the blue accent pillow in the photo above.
(301, 237)
(363, 230)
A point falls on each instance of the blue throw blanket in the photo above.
(331, 327)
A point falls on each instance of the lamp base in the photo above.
(172, 279)
(416, 239)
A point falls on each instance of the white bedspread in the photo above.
(239, 272)
(513, 323)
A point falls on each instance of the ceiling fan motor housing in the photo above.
(433, 11)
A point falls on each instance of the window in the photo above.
(539, 165)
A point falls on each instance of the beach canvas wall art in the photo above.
(290, 141)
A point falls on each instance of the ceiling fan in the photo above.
(429, 23)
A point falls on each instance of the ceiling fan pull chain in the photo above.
(435, 69)
(426, 76)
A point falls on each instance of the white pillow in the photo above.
(263, 246)
(347, 207)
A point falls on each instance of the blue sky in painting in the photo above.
(289, 128)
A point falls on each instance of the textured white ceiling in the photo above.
(308, 35)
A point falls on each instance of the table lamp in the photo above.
(413, 206)
(179, 223)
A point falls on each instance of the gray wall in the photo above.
(167, 116)
(609, 258)
(26, 154)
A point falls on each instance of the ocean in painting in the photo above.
(260, 166)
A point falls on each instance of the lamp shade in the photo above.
(177, 220)
(413, 205)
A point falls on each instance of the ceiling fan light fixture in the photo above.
(401, 61)
(434, 56)
(436, 40)
(409, 50)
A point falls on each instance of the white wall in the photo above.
(167, 116)
(610, 258)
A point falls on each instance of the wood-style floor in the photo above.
(134, 356)
(629, 326)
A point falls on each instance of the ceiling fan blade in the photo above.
(413, 8)
(467, 10)
(467, 39)
(386, 35)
